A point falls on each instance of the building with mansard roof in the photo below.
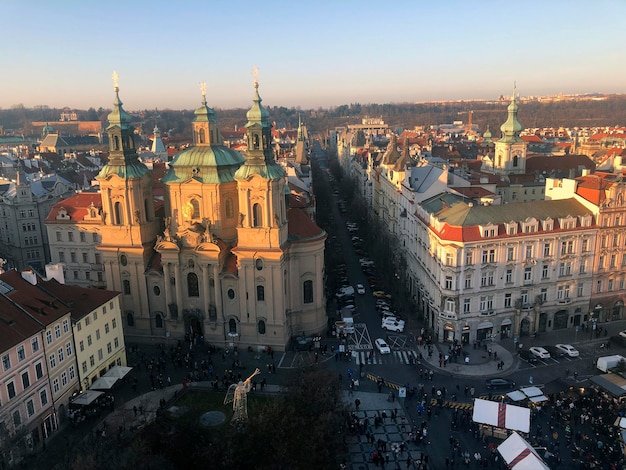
(225, 259)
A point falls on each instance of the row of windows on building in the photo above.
(92, 360)
(88, 318)
(193, 289)
(563, 292)
(84, 257)
(82, 237)
(29, 405)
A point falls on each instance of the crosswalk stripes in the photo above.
(396, 357)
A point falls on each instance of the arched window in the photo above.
(256, 215)
(230, 211)
(232, 326)
(145, 209)
(192, 285)
(261, 327)
(255, 141)
(307, 288)
(116, 143)
(515, 158)
(195, 213)
(126, 286)
(130, 319)
(117, 213)
(260, 293)
(158, 321)
(201, 136)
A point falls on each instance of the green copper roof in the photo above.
(204, 113)
(208, 164)
(512, 127)
(118, 117)
(257, 113)
(266, 170)
(131, 169)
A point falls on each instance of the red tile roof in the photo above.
(15, 325)
(301, 227)
(76, 206)
(534, 139)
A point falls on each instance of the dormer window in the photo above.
(511, 228)
(548, 225)
(585, 220)
(530, 225)
(568, 223)
(489, 231)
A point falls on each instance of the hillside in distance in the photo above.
(608, 111)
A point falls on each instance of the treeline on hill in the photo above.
(176, 123)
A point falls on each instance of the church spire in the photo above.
(205, 131)
(259, 156)
(511, 128)
(123, 158)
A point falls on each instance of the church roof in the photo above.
(301, 227)
(208, 164)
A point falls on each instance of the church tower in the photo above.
(301, 156)
(510, 150)
(129, 226)
(261, 185)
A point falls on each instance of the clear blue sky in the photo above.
(309, 53)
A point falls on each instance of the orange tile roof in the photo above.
(301, 227)
(76, 206)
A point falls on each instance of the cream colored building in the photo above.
(227, 261)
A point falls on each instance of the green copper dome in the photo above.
(208, 164)
(511, 128)
(257, 113)
(204, 113)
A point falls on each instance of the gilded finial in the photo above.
(116, 82)
(203, 88)
(255, 72)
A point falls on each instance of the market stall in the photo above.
(497, 418)
(520, 455)
(118, 372)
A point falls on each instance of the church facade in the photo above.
(223, 259)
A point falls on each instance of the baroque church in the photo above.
(222, 258)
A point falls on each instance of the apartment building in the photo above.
(96, 327)
(27, 413)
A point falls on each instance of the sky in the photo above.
(309, 53)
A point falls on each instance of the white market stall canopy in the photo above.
(534, 394)
(103, 383)
(519, 454)
(119, 372)
(501, 415)
(87, 397)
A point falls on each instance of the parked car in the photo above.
(360, 289)
(622, 334)
(382, 347)
(379, 294)
(540, 352)
(568, 350)
(499, 383)
(554, 352)
(527, 356)
(392, 324)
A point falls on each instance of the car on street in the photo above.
(568, 350)
(392, 324)
(390, 316)
(499, 383)
(540, 352)
(527, 356)
(379, 294)
(554, 352)
(622, 334)
(382, 347)
(360, 289)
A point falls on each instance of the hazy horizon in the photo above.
(309, 55)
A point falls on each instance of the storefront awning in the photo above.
(483, 325)
(506, 321)
(86, 398)
(608, 385)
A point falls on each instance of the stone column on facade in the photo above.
(206, 291)
(168, 288)
(179, 289)
(536, 310)
(218, 293)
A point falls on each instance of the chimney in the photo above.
(30, 276)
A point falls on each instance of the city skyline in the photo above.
(308, 54)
